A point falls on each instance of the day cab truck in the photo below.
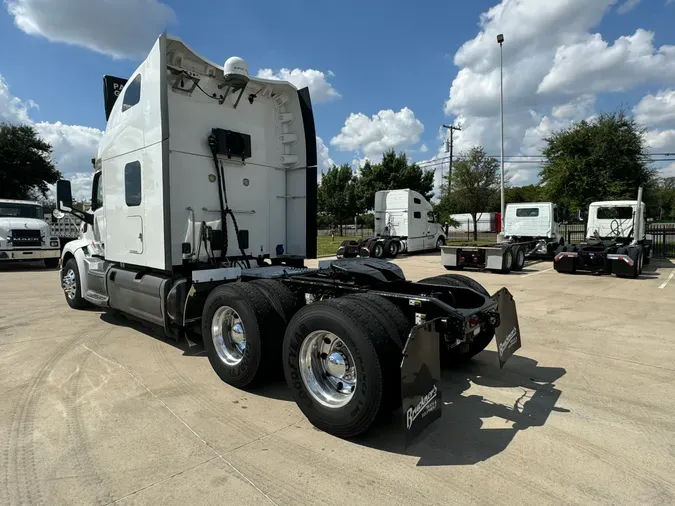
(616, 241)
(404, 223)
(531, 230)
(203, 213)
(25, 235)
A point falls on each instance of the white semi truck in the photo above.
(616, 244)
(203, 212)
(531, 229)
(404, 223)
(25, 235)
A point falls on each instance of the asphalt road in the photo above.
(97, 410)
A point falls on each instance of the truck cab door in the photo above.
(431, 235)
(96, 236)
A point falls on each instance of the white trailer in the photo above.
(404, 223)
(530, 229)
(203, 212)
(25, 235)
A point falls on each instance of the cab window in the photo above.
(430, 217)
(97, 192)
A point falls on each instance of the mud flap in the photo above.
(420, 378)
(508, 332)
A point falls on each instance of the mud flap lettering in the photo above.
(508, 332)
(420, 378)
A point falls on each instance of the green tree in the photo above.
(602, 159)
(26, 167)
(528, 193)
(336, 196)
(660, 199)
(392, 173)
(475, 186)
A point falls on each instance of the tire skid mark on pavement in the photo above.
(190, 389)
(88, 473)
(21, 480)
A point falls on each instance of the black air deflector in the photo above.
(310, 181)
(112, 87)
(232, 144)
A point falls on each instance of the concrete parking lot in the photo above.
(97, 410)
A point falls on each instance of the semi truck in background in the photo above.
(25, 235)
(531, 229)
(404, 223)
(616, 241)
(203, 213)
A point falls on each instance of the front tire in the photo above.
(336, 357)
(70, 282)
(439, 243)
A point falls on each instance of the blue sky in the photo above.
(383, 74)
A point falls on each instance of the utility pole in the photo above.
(448, 147)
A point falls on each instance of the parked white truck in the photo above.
(404, 223)
(203, 212)
(25, 235)
(617, 241)
(530, 229)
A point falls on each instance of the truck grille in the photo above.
(26, 238)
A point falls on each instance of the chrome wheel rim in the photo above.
(378, 250)
(521, 258)
(228, 335)
(69, 284)
(327, 368)
(509, 258)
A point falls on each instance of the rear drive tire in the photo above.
(378, 250)
(457, 280)
(330, 349)
(70, 282)
(464, 352)
(241, 332)
(282, 298)
(391, 248)
(51, 263)
(507, 261)
(518, 259)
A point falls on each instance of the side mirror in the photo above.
(64, 196)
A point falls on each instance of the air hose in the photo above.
(224, 207)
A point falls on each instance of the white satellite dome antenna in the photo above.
(235, 72)
(235, 78)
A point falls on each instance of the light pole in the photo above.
(500, 40)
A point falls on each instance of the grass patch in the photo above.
(325, 246)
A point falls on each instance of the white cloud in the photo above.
(73, 145)
(592, 65)
(382, 131)
(324, 161)
(119, 28)
(319, 88)
(628, 6)
(656, 110)
(661, 140)
(12, 109)
(554, 65)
